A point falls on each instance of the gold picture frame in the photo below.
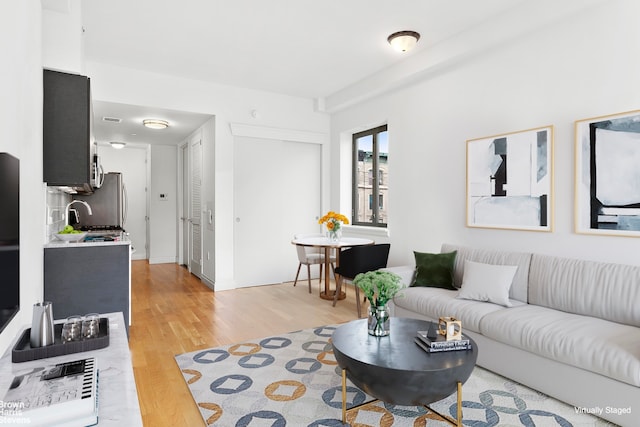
(607, 175)
(510, 180)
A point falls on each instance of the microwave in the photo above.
(97, 173)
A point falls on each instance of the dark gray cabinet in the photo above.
(87, 279)
(9, 238)
(66, 130)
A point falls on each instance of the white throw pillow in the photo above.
(487, 282)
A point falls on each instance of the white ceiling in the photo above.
(131, 130)
(296, 47)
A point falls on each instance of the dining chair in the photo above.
(311, 256)
(356, 260)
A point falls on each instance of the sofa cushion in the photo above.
(593, 344)
(437, 302)
(605, 290)
(407, 273)
(487, 282)
(520, 284)
(434, 270)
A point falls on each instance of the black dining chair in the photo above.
(356, 260)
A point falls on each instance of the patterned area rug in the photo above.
(294, 380)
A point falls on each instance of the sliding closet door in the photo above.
(277, 194)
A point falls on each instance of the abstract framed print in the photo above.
(607, 182)
(510, 180)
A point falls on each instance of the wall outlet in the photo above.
(163, 197)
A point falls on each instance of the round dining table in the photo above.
(327, 245)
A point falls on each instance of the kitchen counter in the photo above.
(118, 397)
(86, 277)
(120, 238)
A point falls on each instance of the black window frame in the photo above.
(376, 179)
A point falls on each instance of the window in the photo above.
(379, 201)
(370, 177)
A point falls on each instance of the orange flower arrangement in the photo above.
(333, 221)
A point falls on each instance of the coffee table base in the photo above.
(457, 422)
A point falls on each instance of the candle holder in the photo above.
(450, 328)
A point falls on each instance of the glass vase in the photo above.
(334, 235)
(378, 323)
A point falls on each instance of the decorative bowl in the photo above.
(71, 237)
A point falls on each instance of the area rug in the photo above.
(293, 380)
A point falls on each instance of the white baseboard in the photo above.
(210, 284)
(163, 260)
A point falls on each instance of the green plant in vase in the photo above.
(379, 287)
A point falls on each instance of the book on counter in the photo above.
(433, 342)
(65, 394)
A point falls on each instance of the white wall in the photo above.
(208, 198)
(228, 105)
(63, 42)
(163, 213)
(583, 66)
(21, 124)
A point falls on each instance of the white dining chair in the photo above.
(311, 256)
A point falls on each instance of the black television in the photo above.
(9, 238)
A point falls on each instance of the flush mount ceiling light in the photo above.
(117, 144)
(403, 41)
(155, 123)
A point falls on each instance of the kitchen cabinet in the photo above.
(88, 278)
(67, 148)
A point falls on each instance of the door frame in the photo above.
(183, 194)
(291, 135)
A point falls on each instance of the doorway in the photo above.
(132, 162)
(190, 237)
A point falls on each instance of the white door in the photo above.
(195, 208)
(277, 194)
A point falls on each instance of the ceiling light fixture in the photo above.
(403, 41)
(117, 144)
(155, 123)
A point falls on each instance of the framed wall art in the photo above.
(510, 180)
(607, 184)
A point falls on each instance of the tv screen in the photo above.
(9, 238)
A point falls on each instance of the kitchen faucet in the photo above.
(66, 210)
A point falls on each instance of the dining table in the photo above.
(327, 245)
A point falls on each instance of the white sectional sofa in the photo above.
(572, 330)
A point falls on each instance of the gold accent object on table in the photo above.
(450, 327)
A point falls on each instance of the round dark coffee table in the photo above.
(394, 369)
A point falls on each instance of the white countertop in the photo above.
(122, 239)
(117, 394)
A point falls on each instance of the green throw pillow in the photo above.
(435, 270)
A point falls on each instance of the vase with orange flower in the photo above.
(333, 221)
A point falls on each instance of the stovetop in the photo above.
(110, 237)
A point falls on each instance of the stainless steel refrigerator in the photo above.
(108, 205)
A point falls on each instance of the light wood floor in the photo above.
(174, 313)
